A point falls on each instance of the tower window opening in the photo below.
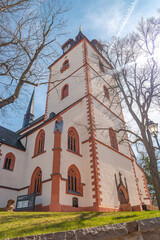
(113, 138)
(64, 92)
(65, 66)
(106, 92)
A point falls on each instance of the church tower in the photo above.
(80, 88)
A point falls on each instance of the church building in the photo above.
(72, 157)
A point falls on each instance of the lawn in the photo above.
(16, 224)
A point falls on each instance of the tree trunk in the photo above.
(153, 167)
(155, 178)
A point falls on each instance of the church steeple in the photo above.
(79, 36)
(29, 116)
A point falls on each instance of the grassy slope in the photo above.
(16, 224)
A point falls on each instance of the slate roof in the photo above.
(10, 138)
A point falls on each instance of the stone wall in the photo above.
(148, 229)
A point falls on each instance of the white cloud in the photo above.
(106, 21)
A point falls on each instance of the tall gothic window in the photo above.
(39, 144)
(113, 138)
(9, 161)
(36, 182)
(74, 180)
(106, 92)
(64, 92)
(73, 140)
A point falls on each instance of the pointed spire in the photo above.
(29, 116)
(80, 35)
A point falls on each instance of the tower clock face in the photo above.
(67, 47)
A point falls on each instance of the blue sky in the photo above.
(99, 19)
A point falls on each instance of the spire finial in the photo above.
(80, 28)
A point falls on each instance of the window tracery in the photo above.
(9, 162)
(39, 143)
(36, 182)
(74, 181)
(73, 140)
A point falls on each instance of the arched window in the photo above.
(74, 180)
(64, 92)
(123, 195)
(113, 138)
(101, 66)
(36, 182)
(73, 140)
(9, 161)
(65, 66)
(106, 92)
(39, 144)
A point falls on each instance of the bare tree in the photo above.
(136, 70)
(28, 38)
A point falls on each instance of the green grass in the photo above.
(16, 224)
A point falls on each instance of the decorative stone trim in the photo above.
(92, 133)
(136, 180)
(56, 176)
(144, 229)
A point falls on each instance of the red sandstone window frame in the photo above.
(65, 66)
(65, 91)
(106, 92)
(73, 184)
(113, 138)
(9, 161)
(39, 143)
(73, 140)
(36, 182)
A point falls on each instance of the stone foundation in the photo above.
(148, 229)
